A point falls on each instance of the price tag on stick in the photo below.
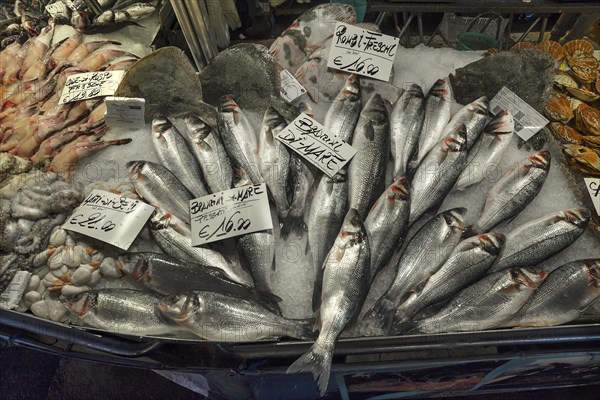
(527, 120)
(90, 84)
(360, 51)
(230, 213)
(307, 138)
(110, 218)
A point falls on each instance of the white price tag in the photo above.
(11, 296)
(593, 187)
(230, 213)
(306, 137)
(527, 120)
(110, 218)
(124, 112)
(360, 51)
(90, 84)
(58, 10)
(291, 89)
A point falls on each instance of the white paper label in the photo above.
(111, 218)
(306, 137)
(124, 112)
(90, 84)
(291, 89)
(230, 213)
(58, 10)
(593, 187)
(11, 296)
(527, 120)
(360, 51)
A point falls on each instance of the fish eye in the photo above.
(355, 221)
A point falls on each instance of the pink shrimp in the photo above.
(99, 57)
(84, 49)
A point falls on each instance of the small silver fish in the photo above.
(474, 116)
(437, 115)
(342, 116)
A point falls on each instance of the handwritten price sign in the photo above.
(306, 137)
(593, 186)
(90, 84)
(110, 218)
(360, 51)
(230, 213)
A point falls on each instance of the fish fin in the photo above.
(317, 361)
(305, 329)
(337, 255)
(404, 328)
(268, 300)
(369, 132)
(381, 315)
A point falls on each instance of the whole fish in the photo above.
(564, 295)
(438, 172)
(210, 153)
(125, 311)
(426, 252)
(474, 116)
(469, 261)
(165, 275)
(371, 139)
(274, 160)
(345, 286)
(327, 211)
(222, 318)
(406, 122)
(301, 181)
(176, 155)
(514, 191)
(159, 187)
(537, 240)
(387, 223)
(239, 138)
(437, 115)
(485, 304)
(342, 116)
(180, 246)
(487, 150)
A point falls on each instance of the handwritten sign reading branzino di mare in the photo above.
(110, 218)
(362, 52)
(230, 213)
(90, 84)
(307, 138)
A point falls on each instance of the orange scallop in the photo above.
(554, 49)
(578, 48)
(523, 45)
(591, 141)
(565, 133)
(558, 107)
(583, 158)
(588, 119)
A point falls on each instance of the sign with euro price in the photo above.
(90, 84)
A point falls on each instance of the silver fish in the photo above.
(564, 295)
(437, 115)
(301, 182)
(406, 122)
(514, 191)
(166, 275)
(159, 187)
(483, 305)
(274, 160)
(468, 262)
(210, 153)
(487, 151)
(387, 223)
(426, 252)
(474, 116)
(537, 240)
(239, 138)
(125, 311)
(342, 116)
(345, 286)
(438, 172)
(180, 246)
(222, 318)
(366, 173)
(177, 156)
(327, 211)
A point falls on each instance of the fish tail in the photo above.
(317, 361)
(292, 224)
(381, 315)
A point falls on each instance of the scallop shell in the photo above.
(558, 107)
(523, 45)
(583, 94)
(554, 49)
(583, 158)
(565, 133)
(597, 86)
(585, 70)
(578, 48)
(588, 119)
(592, 141)
(565, 79)
(575, 102)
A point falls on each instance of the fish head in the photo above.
(160, 124)
(133, 264)
(197, 126)
(160, 219)
(82, 303)
(135, 168)
(229, 108)
(375, 110)
(353, 229)
(240, 178)
(455, 218)
(579, 217)
(441, 88)
(541, 159)
(351, 90)
(526, 278)
(592, 267)
(501, 124)
(456, 141)
(307, 109)
(180, 307)
(413, 91)
(340, 177)
(399, 190)
(492, 242)
(273, 119)
(481, 105)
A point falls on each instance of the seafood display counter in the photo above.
(406, 236)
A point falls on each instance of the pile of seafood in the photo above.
(34, 124)
(22, 19)
(384, 251)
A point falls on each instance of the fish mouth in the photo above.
(578, 216)
(456, 218)
(593, 269)
(228, 105)
(492, 242)
(135, 167)
(541, 159)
